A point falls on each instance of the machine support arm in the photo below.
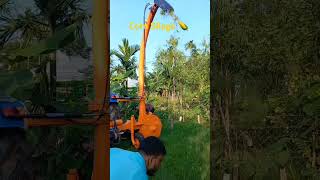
(142, 105)
(101, 62)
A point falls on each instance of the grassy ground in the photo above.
(188, 147)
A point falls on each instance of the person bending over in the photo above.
(128, 165)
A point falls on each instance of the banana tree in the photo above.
(35, 76)
(52, 16)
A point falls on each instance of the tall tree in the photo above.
(259, 86)
(192, 48)
(127, 61)
(59, 14)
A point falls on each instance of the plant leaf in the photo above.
(60, 39)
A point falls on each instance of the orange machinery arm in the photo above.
(142, 105)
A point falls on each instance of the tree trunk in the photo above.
(227, 116)
(181, 104)
(213, 119)
(199, 122)
(53, 63)
(28, 62)
(168, 109)
(173, 103)
(283, 174)
(226, 176)
(53, 76)
(314, 156)
(127, 89)
(235, 172)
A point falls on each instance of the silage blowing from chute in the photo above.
(175, 18)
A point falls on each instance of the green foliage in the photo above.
(266, 85)
(124, 67)
(26, 39)
(187, 144)
(60, 149)
(12, 81)
(57, 41)
(181, 83)
(3, 3)
(311, 101)
(177, 87)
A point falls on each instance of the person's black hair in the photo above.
(149, 108)
(152, 146)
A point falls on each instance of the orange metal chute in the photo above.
(148, 124)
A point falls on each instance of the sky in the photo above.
(196, 14)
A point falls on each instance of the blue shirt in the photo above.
(127, 165)
(7, 102)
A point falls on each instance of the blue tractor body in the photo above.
(8, 102)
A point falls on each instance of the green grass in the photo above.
(188, 148)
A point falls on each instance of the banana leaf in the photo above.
(59, 40)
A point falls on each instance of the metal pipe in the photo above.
(53, 116)
(59, 122)
(101, 61)
(142, 105)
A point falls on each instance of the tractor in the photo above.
(148, 125)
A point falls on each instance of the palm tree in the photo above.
(125, 55)
(26, 27)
